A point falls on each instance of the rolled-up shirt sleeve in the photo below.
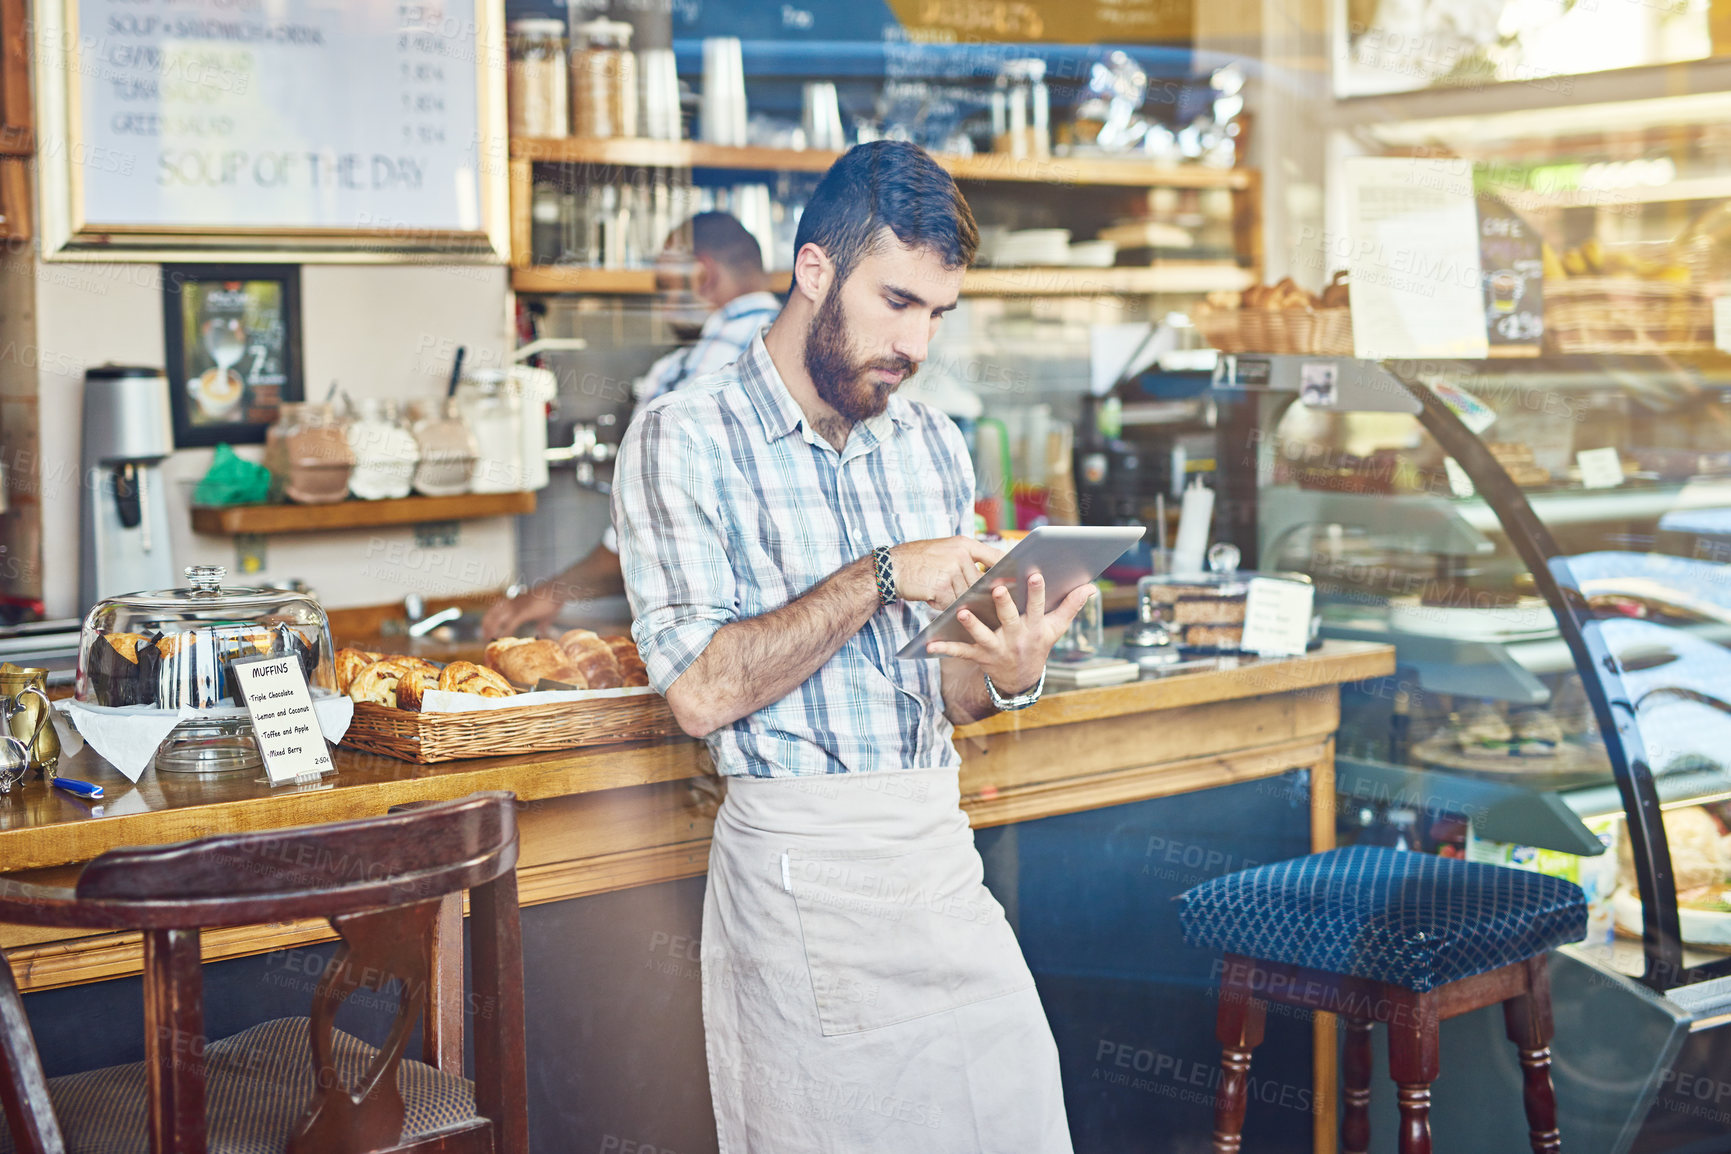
(672, 543)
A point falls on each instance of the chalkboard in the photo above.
(1513, 269)
(358, 126)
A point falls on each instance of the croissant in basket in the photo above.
(467, 677)
(525, 661)
(593, 658)
(381, 682)
(350, 662)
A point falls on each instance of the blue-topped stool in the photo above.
(1383, 935)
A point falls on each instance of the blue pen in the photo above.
(84, 789)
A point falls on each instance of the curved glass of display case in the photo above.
(1557, 586)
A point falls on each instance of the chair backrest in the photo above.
(391, 887)
(412, 855)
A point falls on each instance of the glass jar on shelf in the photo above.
(276, 447)
(537, 92)
(446, 446)
(385, 452)
(603, 80)
(317, 456)
(493, 411)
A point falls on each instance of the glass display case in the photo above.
(1557, 589)
(167, 652)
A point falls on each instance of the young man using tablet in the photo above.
(785, 526)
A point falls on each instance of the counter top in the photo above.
(42, 827)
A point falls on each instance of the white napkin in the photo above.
(127, 736)
(440, 701)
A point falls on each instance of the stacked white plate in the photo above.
(1034, 246)
(1093, 254)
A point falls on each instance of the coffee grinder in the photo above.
(128, 433)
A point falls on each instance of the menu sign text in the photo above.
(289, 738)
(360, 114)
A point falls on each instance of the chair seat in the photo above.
(1408, 919)
(257, 1083)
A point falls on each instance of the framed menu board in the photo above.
(321, 129)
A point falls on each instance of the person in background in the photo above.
(726, 273)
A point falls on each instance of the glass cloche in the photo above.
(169, 650)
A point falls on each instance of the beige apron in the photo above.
(862, 991)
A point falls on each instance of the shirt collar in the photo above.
(781, 414)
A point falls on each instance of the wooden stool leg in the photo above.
(1355, 1123)
(1528, 1020)
(1239, 1028)
(1414, 1062)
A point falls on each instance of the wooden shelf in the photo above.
(1170, 277)
(1167, 277)
(632, 153)
(270, 519)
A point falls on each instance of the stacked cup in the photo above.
(723, 111)
(660, 98)
(822, 119)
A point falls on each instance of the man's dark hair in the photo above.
(887, 184)
(720, 236)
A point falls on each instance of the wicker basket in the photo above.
(1275, 331)
(1333, 336)
(430, 737)
(1223, 329)
(1626, 315)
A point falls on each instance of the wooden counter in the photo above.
(609, 817)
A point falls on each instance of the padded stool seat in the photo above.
(1384, 935)
(257, 1084)
(1409, 919)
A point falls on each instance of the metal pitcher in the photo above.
(14, 763)
(24, 708)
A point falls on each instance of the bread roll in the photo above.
(467, 677)
(528, 661)
(497, 648)
(593, 658)
(350, 662)
(631, 668)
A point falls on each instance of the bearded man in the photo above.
(785, 526)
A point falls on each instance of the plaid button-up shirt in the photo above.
(728, 505)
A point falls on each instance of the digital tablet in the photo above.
(1069, 556)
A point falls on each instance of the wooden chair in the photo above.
(392, 888)
(1377, 934)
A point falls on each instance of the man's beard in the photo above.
(845, 384)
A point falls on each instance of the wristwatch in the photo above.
(1021, 701)
(885, 571)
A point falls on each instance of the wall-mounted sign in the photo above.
(365, 129)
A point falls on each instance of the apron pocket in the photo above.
(893, 937)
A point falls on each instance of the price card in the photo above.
(1600, 468)
(1474, 413)
(289, 737)
(1460, 484)
(1277, 617)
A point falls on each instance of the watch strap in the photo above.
(885, 570)
(1020, 701)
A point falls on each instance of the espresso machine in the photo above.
(128, 432)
